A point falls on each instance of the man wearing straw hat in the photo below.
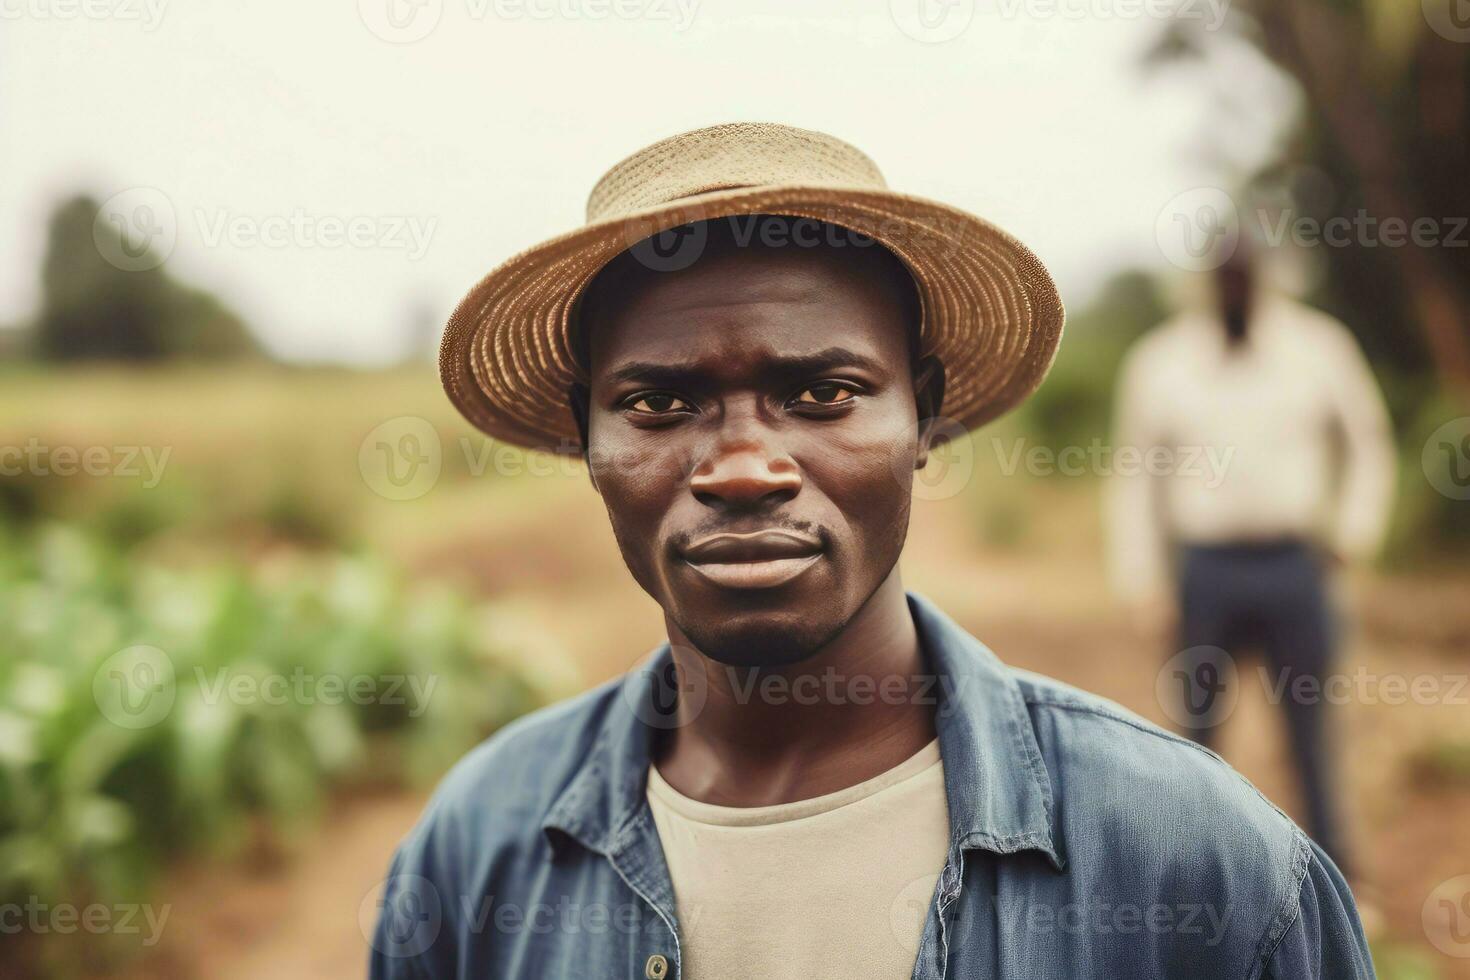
(754, 344)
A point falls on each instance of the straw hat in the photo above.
(990, 310)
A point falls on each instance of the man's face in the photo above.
(752, 430)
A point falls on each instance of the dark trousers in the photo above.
(1270, 597)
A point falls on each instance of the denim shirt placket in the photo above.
(636, 855)
(932, 960)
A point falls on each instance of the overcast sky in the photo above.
(457, 132)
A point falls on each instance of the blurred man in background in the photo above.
(1221, 559)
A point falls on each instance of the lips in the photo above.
(753, 560)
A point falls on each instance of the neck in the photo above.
(851, 710)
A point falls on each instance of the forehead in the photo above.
(749, 307)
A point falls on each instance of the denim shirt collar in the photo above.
(999, 794)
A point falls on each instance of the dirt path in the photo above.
(292, 920)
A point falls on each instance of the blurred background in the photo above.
(260, 585)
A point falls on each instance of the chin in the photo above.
(756, 638)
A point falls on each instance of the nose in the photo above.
(745, 475)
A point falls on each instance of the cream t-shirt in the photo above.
(834, 886)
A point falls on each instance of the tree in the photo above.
(93, 309)
(1386, 85)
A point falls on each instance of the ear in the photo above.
(928, 399)
(579, 398)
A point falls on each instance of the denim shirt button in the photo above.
(657, 967)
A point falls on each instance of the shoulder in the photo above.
(491, 803)
(1140, 805)
(1321, 332)
(1167, 339)
(481, 828)
(1143, 772)
(1163, 351)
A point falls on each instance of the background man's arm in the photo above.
(1137, 540)
(1366, 497)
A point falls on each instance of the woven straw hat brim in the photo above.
(990, 310)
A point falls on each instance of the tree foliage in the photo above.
(93, 310)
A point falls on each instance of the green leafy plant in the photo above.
(276, 685)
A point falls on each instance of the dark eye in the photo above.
(656, 403)
(825, 393)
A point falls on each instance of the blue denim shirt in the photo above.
(1084, 842)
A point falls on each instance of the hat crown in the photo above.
(725, 157)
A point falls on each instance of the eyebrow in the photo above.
(781, 368)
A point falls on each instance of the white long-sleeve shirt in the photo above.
(1292, 419)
